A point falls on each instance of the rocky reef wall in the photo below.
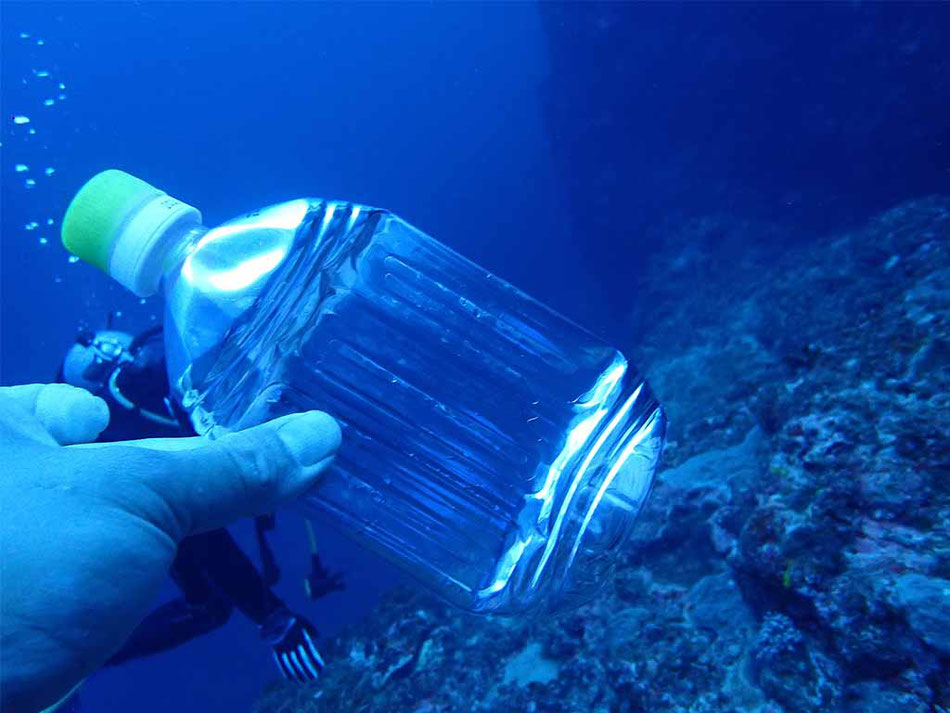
(795, 553)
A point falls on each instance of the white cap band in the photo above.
(138, 253)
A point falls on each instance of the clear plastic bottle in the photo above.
(491, 448)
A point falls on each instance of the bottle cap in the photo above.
(124, 226)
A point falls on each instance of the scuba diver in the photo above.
(214, 575)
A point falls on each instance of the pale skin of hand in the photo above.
(88, 532)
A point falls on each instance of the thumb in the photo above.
(207, 484)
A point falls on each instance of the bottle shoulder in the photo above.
(219, 277)
(222, 277)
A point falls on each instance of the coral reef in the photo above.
(794, 555)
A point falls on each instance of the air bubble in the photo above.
(22, 168)
(41, 42)
(42, 73)
(49, 102)
(62, 86)
(24, 35)
(142, 301)
(44, 241)
(29, 183)
(73, 259)
(49, 171)
(32, 132)
(50, 221)
(21, 119)
(31, 225)
(61, 97)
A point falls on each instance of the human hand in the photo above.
(322, 581)
(88, 532)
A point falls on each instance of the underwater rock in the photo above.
(791, 671)
(715, 603)
(874, 697)
(530, 666)
(926, 603)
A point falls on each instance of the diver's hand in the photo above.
(322, 581)
(87, 532)
(292, 638)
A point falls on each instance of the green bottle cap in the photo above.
(125, 227)
(96, 215)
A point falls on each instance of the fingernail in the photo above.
(98, 411)
(310, 437)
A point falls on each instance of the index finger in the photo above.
(62, 414)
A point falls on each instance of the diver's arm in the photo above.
(291, 636)
(171, 625)
(235, 576)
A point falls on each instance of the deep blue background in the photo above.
(552, 143)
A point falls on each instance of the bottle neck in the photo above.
(178, 251)
(141, 246)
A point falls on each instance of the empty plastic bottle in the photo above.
(491, 448)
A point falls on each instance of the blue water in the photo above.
(553, 144)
